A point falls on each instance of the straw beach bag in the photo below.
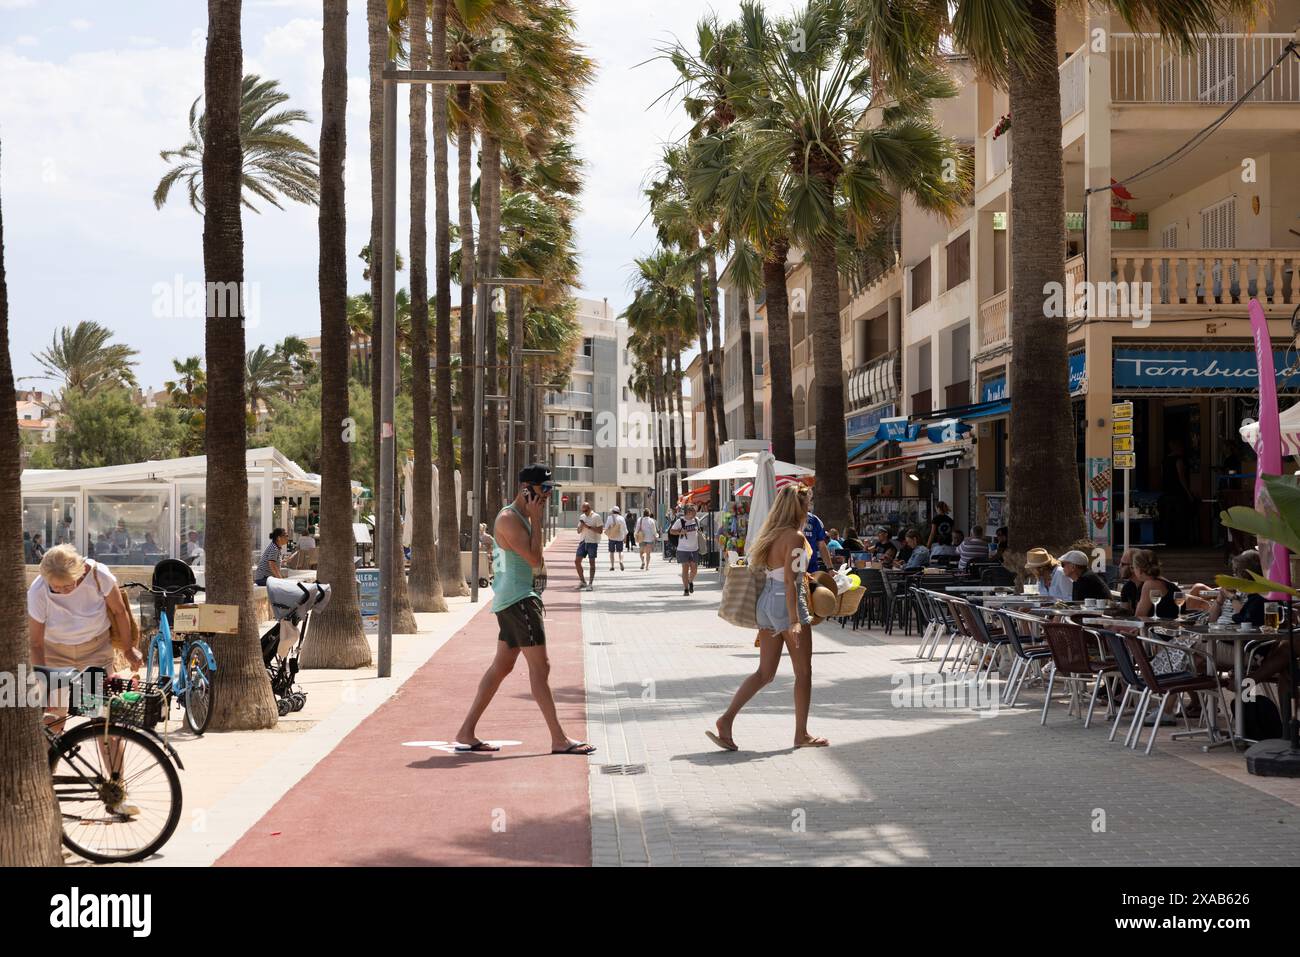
(740, 596)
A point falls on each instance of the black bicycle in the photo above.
(118, 792)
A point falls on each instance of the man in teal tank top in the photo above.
(518, 607)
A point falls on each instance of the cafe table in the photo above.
(976, 589)
(1237, 637)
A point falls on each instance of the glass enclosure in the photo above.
(128, 527)
(47, 520)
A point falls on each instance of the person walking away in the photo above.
(687, 529)
(590, 528)
(783, 617)
(616, 532)
(940, 528)
(647, 533)
(516, 552)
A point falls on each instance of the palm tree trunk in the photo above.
(30, 827)
(425, 584)
(828, 369)
(747, 372)
(377, 23)
(453, 582)
(245, 701)
(715, 366)
(468, 278)
(489, 209)
(338, 639)
(515, 340)
(1044, 458)
(702, 329)
(778, 351)
(681, 410)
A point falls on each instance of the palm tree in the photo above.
(1015, 44)
(360, 335)
(86, 359)
(835, 176)
(188, 395)
(378, 17)
(246, 701)
(453, 581)
(29, 814)
(266, 377)
(294, 352)
(425, 583)
(276, 163)
(338, 637)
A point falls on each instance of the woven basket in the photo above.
(849, 602)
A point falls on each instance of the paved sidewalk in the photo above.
(899, 784)
(394, 792)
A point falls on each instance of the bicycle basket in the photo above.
(138, 704)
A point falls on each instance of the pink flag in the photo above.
(1274, 561)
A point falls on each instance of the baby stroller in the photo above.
(292, 603)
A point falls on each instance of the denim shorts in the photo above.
(771, 610)
(588, 550)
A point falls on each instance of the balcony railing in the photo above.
(582, 363)
(998, 157)
(570, 437)
(1146, 68)
(994, 327)
(1074, 76)
(570, 400)
(872, 383)
(1210, 277)
(573, 473)
(800, 355)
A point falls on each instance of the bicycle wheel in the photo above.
(118, 793)
(200, 688)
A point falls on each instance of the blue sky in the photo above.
(90, 92)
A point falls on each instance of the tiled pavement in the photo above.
(899, 785)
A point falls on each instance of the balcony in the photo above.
(582, 364)
(570, 438)
(1074, 75)
(569, 400)
(872, 383)
(573, 473)
(799, 358)
(1213, 278)
(1146, 68)
(994, 312)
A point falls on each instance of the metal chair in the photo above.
(1072, 663)
(1163, 685)
(986, 643)
(1029, 649)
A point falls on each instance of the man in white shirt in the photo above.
(590, 528)
(687, 529)
(616, 532)
(647, 533)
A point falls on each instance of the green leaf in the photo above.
(1255, 585)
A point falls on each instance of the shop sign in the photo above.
(867, 423)
(996, 390)
(1191, 370)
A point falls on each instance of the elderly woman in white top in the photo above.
(1051, 576)
(69, 606)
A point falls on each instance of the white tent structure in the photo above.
(1289, 422)
(140, 513)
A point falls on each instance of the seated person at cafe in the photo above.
(1156, 598)
(1001, 542)
(949, 549)
(1129, 589)
(1244, 608)
(888, 555)
(1049, 573)
(973, 549)
(918, 556)
(833, 541)
(851, 542)
(1085, 583)
(881, 542)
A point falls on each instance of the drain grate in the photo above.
(624, 769)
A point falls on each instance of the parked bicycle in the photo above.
(118, 793)
(193, 684)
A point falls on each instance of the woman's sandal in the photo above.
(726, 744)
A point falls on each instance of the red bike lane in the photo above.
(393, 793)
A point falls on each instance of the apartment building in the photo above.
(598, 430)
(1201, 238)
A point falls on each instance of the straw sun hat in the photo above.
(1038, 557)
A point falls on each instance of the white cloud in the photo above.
(27, 40)
(16, 4)
(80, 23)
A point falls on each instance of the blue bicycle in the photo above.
(193, 683)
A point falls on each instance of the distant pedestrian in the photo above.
(783, 616)
(940, 527)
(647, 533)
(590, 528)
(616, 532)
(687, 529)
(516, 553)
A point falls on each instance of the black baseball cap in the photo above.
(537, 474)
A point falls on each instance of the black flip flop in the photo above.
(477, 746)
(580, 747)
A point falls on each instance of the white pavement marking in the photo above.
(899, 785)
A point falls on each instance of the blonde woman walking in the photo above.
(783, 617)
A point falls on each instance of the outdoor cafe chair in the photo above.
(1140, 649)
(996, 575)
(936, 621)
(986, 643)
(1072, 663)
(874, 602)
(954, 627)
(1029, 649)
(1133, 685)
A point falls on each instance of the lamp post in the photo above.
(476, 505)
(387, 506)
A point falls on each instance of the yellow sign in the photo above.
(1125, 460)
(1121, 443)
(1121, 410)
(1122, 427)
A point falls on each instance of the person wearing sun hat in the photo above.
(1050, 573)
